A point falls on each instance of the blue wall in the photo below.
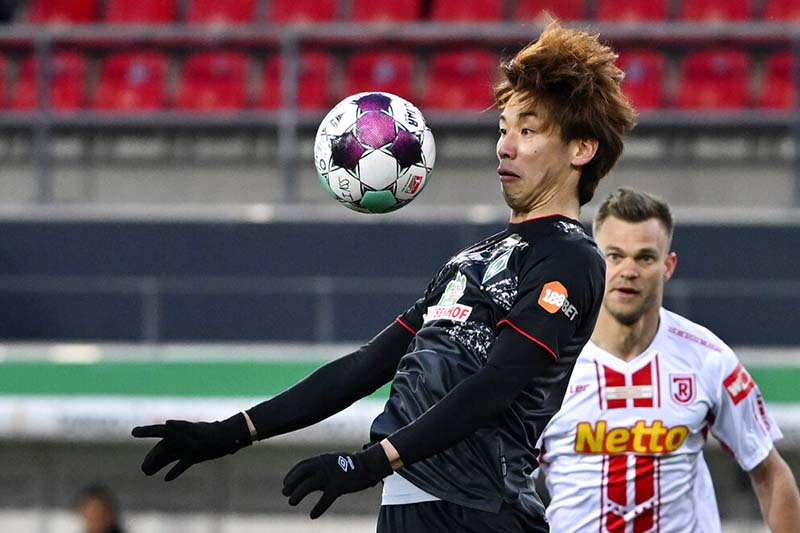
(327, 282)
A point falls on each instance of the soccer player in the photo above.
(624, 453)
(497, 331)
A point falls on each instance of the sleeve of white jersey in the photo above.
(741, 422)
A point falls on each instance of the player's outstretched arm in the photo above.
(328, 390)
(777, 493)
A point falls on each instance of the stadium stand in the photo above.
(777, 89)
(714, 79)
(387, 71)
(295, 11)
(715, 10)
(459, 80)
(67, 88)
(631, 10)
(141, 12)
(385, 10)
(63, 11)
(782, 10)
(467, 10)
(644, 77)
(314, 72)
(214, 81)
(533, 9)
(221, 11)
(132, 81)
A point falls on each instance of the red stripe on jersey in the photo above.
(409, 328)
(643, 376)
(615, 379)
(615, 523)
(599, 386)
(618, 479)
(531, 337)
(645, 490)
(658, 381)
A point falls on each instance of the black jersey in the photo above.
(545, 279)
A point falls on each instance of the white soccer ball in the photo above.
(374, 152)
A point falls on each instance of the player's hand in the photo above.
(335, 474)
(191, 442)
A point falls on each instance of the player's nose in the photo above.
(506, 147)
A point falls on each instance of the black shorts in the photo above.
(446, 517)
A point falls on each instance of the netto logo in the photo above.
(554, 298)
(641, 438)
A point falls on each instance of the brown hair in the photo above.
(634, 206)
(573, 77)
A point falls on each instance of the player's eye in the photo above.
(614, 257)
(526, 131)
(501, 131)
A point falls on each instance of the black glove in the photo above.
(335, 474)
(191, 442)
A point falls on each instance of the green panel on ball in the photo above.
(327, 187)
(379, 201)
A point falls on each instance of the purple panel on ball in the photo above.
(406, 149)
(375, 129)
(374, 102)
(346, 151)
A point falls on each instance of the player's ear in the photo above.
(671, 262)
(583, 151)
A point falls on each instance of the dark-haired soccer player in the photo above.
(474, 361)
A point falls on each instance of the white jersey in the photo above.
(624, 453)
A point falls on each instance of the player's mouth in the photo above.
(507, 175)
(626, 292)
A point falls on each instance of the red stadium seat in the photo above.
(132, 81)
(66, 86)
(564, 10)
(386, 71)
(62, 11)
(778, 89)
(303, 10)
(631, 10)
(140, 11)
(375, 10)
(644, 77)
(315, 73)
(213, 81)
(719, 10)
(467, 10)
(782, 10)
(714, 79)
(221, 11)
(3, 75)
(460, 80)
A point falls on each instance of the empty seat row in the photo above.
(448, 80)
(283, 11)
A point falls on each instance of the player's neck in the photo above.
(622, 340)
(568, 208)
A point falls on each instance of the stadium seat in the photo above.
(782, 10)
(715, 10)
(376, 10)
(213, 81)
(140, 11)
(714, 79)
(62, 11)
(303, 10)
(386, 71)
(315, 74)
(778, 89)
(631, 10)
(467, 10)
(221, 11)
(3, 77)
(644, 77)
(132, 81)
(66, 86)
(564, 10)
(460, 80)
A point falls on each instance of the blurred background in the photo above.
(166, 249)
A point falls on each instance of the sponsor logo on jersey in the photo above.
(739, 384)
(553, 299)
(681, 388)
(448, 307)
(640, 438)
(497, 266)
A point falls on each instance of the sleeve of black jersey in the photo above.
(413, 318)
(514, 363)
(557, 290)
(334, 386)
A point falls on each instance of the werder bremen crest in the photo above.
(448, 307)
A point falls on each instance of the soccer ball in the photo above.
(373, 152)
